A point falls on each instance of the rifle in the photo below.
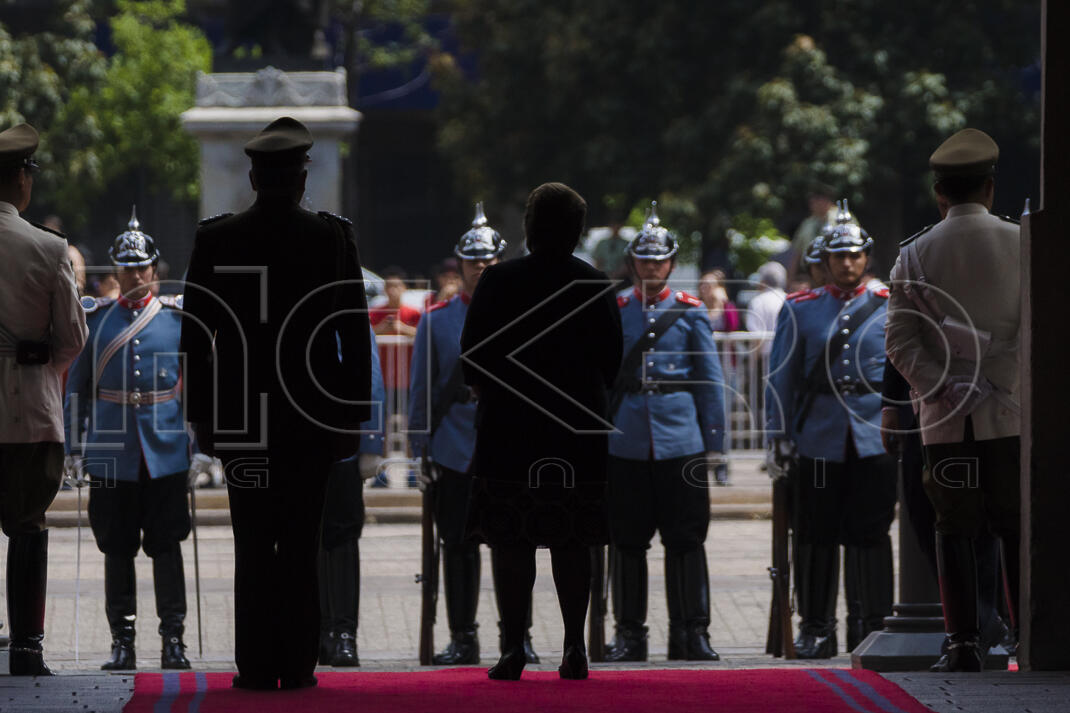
(778, 641)
(596, 633)
(428, 577)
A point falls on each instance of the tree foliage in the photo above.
(731, 107)
(105, 118)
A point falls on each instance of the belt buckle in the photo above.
(135, 398)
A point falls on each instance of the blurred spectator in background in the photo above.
(108, 286)
(609, 252)
(447, 280)
(78, 264)
(822, 212)
(723, 314)
(394, 317)
(764, 308)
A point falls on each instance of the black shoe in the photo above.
(529, 651)
(698, 645)
(573, 663)
(123, 657)
(816, 645)
(173, 653)
(509, 666)
(290, 684)
(963, 656)
(855, 633)
(629, 645)
(345, 651)
(463, 650)
(27, 661)
(254, 684)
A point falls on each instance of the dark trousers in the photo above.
(151, 514)
(30, 475)
(667, 496)
(276, 507)
(453, 490)
(975, 484)
(850, 503)
(343, 511)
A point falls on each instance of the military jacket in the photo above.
(146, 368)
(679, 409)
(439, 333)
(845, 401)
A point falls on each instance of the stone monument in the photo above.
(231, 108)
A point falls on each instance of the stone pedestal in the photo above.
(232, 108)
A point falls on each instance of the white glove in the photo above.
(715, 460)
(962, 395)
(200, 470)
(778, 457)
(368, 464)
(427, 475)
(73, 472)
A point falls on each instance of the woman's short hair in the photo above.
(554, 218)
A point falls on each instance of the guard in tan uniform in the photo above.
(952, 332)
(42, 330)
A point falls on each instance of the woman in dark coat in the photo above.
(542, 344)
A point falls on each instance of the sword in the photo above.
(79, 483)
(196, 566)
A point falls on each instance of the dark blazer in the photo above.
(262, 345)
(542, 344)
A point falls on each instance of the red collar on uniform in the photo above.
(138, 304)
(845, 294)
(465, 297)
(662, 296)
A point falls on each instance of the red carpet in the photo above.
(462, 690)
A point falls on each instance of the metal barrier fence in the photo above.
(743, 361)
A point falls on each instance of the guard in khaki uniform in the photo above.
(956, 288)
(123, 393)
(42, 330)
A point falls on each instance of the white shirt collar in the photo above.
(6, 207)
(965, 209)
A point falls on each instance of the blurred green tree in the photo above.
(47, 54)
(732, 107)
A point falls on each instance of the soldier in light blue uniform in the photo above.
(669, 438)
(124, 402)
(442, 429)
(343, 523)
(823, 406)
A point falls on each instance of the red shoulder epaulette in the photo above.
(688, 299)
(437, 305)
(623, 300)
(803, 296)
(882, 292)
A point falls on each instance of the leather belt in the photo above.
(847, 388)
(137, 398)
(656, 387)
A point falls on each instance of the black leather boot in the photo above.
(120, 606)
(629, 592)
(819, 574)
(875, 579)
(851, 593)
(957, 566)
(344, 595)
(27, 581)
(529, 650)
(169, 581)
(460, 569)
(689, 637)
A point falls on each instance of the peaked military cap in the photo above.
(969, 152)
(282, 139)
(17, 144)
